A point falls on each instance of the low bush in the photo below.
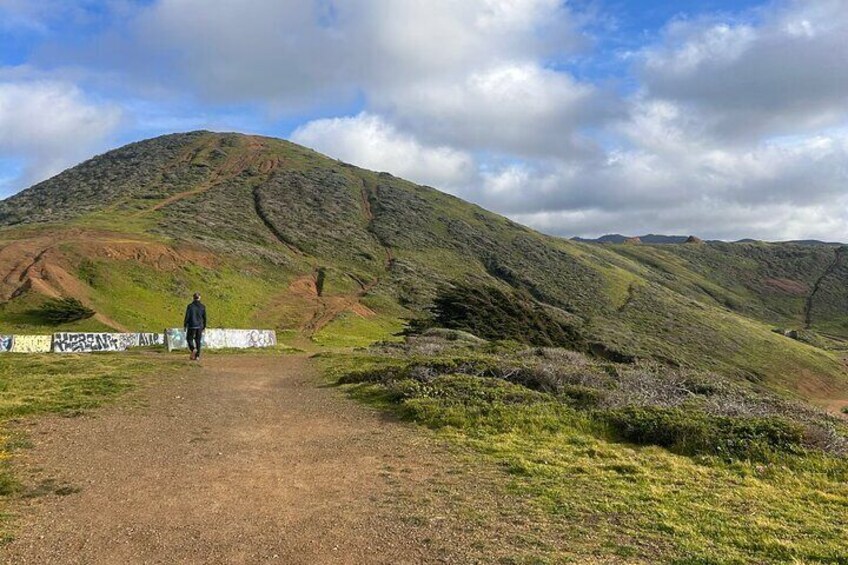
(697, 433)
(492, 313)
(58, 311)
(689, 412)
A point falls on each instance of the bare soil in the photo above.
(249, 459)
(320, 310)
(39, 264)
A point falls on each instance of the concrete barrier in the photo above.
(67, 342)
(32, 344)
(148, 339)
(217, 338)
(174, 338)
(247, 339)
(90, 342)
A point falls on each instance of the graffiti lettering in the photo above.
(90, 342)
(148, 340)
(32, 344)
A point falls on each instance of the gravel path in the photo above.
(241, 460)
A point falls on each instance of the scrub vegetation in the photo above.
(635, 461)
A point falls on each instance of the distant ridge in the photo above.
(651, 238)
(659, 239)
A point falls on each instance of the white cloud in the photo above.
(294, 51)
(468, 73)
(50, 125)
(786, 74)
(368, 141)
(521, 108)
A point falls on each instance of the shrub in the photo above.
(63, 310)
(696, 433)
(492, 313)
(554, 378)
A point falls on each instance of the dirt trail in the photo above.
(245, 460)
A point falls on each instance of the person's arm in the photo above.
(204, 317)
(185, 320)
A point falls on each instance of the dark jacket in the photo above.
(195, 318)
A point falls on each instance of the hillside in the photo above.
(277, 235)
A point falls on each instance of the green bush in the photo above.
(697, 433)
(62, 311)
(494, 314)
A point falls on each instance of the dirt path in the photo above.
(245, 460)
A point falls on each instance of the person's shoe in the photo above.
(193, 356)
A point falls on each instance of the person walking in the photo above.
(194, 324)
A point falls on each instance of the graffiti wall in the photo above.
(148, 340)
(216, 338)
(32, 344)
(90, 342)
(243, 339)
(175, 338)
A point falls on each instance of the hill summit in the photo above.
(277, 235)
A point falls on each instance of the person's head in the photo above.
(197, 296)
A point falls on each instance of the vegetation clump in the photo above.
(493, 313)
(688, 412)
(641, 460)
(58, 311)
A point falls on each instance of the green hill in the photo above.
(277, 235)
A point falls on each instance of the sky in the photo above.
(724, 119)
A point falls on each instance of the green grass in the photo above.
(147, 299)
(279, 349)
(352, 330)
(40, 384)
(109, 220)
(608, 499)
(21, 316)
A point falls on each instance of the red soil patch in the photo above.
(304, 287)
(788, 286)
(39, 264)
(324, 309)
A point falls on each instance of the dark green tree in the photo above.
(63, 310)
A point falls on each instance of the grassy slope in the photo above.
(597, 498)
(270, 212)
(767, 281)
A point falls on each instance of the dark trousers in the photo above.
(193, 337)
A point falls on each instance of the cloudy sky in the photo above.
(722, 118)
